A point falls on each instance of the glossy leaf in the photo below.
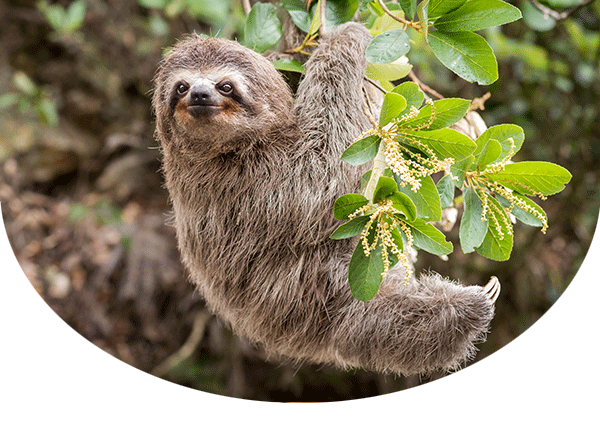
(365, 273)
(412, 94)
(438, 8)
(263, 28)
(445, 188)
(495, 246)
(529, 177)
(477, 15)
(429, 238)
(426, 199)
(521, 214)
(348, 204)
(446, 143)
(393, 105)
(388, 47)
(502, 133)
(351, 228)
(445, 112)
(467, 54)
(422, 13)
(489, 154)
(409, 7)
(289, 65)
(362, 151)
(472, 229)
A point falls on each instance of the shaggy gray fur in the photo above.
(252, 189)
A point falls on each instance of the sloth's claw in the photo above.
(492, 289)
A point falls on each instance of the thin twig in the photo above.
(559, 16)
(423, 86)
(188, 347)
(397, 18)
(478, 103)
(323, 26)
(246, 6)
(375, 84)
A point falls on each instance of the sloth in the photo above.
(252, 176)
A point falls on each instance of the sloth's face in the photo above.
(206, 99)
(215, 95)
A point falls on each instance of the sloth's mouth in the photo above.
(200, 110)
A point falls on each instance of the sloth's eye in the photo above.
(182, 89)
(226, 88)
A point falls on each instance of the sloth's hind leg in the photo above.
(429, 326)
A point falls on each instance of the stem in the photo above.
(401, 20)
(323, 26)
(423, 86)
(246, 6)
(559, 16)
(379, 166)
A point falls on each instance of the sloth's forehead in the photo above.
(215, 74)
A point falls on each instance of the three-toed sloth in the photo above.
(253, 176)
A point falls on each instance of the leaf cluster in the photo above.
(417, 142)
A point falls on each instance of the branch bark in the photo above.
(558, 16)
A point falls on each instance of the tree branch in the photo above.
(559, 16)
(323, 26)
(246, 6)
(423, 86)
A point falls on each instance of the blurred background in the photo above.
(85, 209)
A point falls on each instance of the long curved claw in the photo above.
(492, 289)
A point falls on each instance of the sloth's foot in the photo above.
(492, 289)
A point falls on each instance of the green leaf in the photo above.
(472, 229)
(409, 7)
(262, 29)
(521, 214)
(339, 11)
(348, 204)
(388, 47)
(445, 188)
(384, 189)
(365, 273)
(298, 13)
(422, 12)
(466, 54)
(445, 112)
(362, 151)
(446, 143)
(289, 65)
(494, 246)
(393, 105)
(477, 15)
(350, 229)
(426, 199)
(502, 133)
(531, 177)
(438, 8)
(404, 204)
(388, 72)
(460, 168)
(429, 238)
(489, 154)
(412, 94)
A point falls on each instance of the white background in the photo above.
(51, 377)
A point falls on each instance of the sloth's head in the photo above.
(215, 95)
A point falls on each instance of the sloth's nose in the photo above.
(202, 95)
